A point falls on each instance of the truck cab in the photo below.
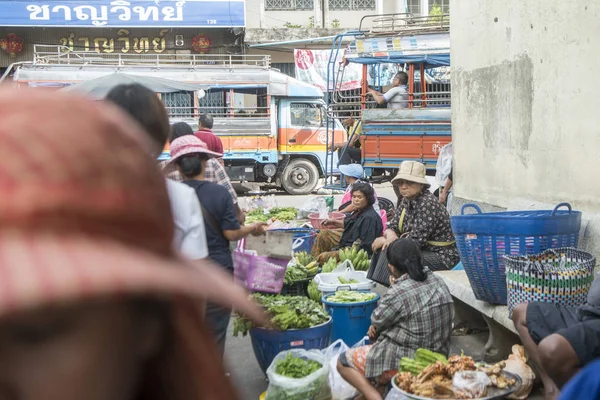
(272, 126)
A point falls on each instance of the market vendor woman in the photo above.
(421, 218)
(362, 226)
(416, 312)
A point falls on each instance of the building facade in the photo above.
(277, 27)
(110, 28)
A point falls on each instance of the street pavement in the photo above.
(244, 371)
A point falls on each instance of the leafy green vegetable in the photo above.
(296, 367)
(283, 214)
(286, 312)
(298, 377)
(347, 296)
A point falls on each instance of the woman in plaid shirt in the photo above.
(416, 312)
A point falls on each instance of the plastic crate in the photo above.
(483, 239)
(298, 288)
(268, 343)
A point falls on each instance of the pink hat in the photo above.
(84, 213)
(190, 144)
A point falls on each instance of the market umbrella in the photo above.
(98, 88)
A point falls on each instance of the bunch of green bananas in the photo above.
(330, 265)
(358, 257)
(313, 292)
(303, 258)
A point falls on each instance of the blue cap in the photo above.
(353, 170)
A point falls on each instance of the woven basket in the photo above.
(561, 276)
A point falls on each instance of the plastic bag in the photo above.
(340, 389)
(314, 205)
(362, 342)
(314, 386)
(395, 394)
(344, 267)
(473, 383)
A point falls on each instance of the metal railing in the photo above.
(218, 111)
(56, 54)
(404, 23)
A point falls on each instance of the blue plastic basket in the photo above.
(304, 239)
(351, 321)
(268, 343)
(484, 238)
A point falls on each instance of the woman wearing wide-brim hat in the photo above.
(422, 218)
(94, 302)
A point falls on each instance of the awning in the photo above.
(430, 60)
(98, 88)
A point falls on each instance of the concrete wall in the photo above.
(525, 101)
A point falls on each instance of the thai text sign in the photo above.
(123, 43)
(124, 13)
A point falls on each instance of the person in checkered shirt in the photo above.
(215, 172)
(416, 312)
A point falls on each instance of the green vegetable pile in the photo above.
(283, 214)
(345, 281)
(286, 312)
(423, 358)
(347, 296)
(313, 292)
(291, 368)
(358, 257)
(296, 367)
(330, 265)
(305, 267)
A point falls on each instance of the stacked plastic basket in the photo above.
(483, 239)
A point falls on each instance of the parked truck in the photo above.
(272, 125)
(420, 46)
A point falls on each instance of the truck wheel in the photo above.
(300, 176)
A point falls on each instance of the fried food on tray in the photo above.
(404, 380)
(436, 380)
(434, 369)
(501, 381)
(495, 369)
(460, 363)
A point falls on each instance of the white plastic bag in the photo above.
(473, 383)
(314, 205)
(340, 389)
(344, 267)
(314, 386)
(395, 394)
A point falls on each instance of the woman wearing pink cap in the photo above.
(189, 154)
(94, 302)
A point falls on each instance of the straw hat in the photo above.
(84, 213)
(412, 171)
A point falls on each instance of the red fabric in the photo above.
(213, 142)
